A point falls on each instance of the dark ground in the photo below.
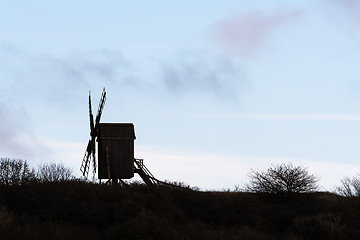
(79, 210)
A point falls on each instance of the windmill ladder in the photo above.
(144, 173)
(147, 177)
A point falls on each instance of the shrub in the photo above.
(15, 172)
(282, 178)
(6, 217)
(350, 187)
(52, 172)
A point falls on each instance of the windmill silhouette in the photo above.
(116, 159)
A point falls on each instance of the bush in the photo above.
(282, 178)
(52, 172)
(350, 187)
(15, 172)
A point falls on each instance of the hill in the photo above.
(79, 210)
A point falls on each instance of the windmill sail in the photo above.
(100, 108)
(91, 117)
(90, 149)
(85, 162)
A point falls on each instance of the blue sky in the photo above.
(214, 88)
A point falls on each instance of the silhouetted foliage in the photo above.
(350, 187)
(15, 172)
(282, 178)
(61, 209)
(53, 172)
(81, 210)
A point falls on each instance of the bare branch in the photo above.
(15, 172)
(52, 172)
(350, 187)
(282, 178)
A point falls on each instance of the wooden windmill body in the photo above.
(116, 159)
(116, 151)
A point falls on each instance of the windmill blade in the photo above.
(92, 132)
(86, 161)
(90, 149)
(94, 159)
(100, 108)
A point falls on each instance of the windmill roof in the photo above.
(117, 131)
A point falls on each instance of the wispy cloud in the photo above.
(351, 5)
(351, 9)
(219, 77)
(245, 33)
(58, 78)
(16, 139)
(64, 78)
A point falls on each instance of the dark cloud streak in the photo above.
(57, 79)
(64, 79)
(217, 77)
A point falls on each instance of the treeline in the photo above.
(18, 172)
(281, 202)
(277, 179)
(83, 210)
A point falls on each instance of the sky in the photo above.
(214, 88)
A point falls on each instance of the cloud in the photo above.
(60, 79)
(16, 139)
(348, 4)
(246, 33)
(351, 9)
(56, 78)
(65, 77)
(214, 76)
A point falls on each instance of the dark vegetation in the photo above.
(282, 178)
(350, 187)
(18, 172)
(74, 209)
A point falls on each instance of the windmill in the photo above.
(94, 134)
(116, 159)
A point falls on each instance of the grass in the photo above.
(79, 210)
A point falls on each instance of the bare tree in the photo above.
(350, 187)
(52, 172)
(15, 172)
(282, 178)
